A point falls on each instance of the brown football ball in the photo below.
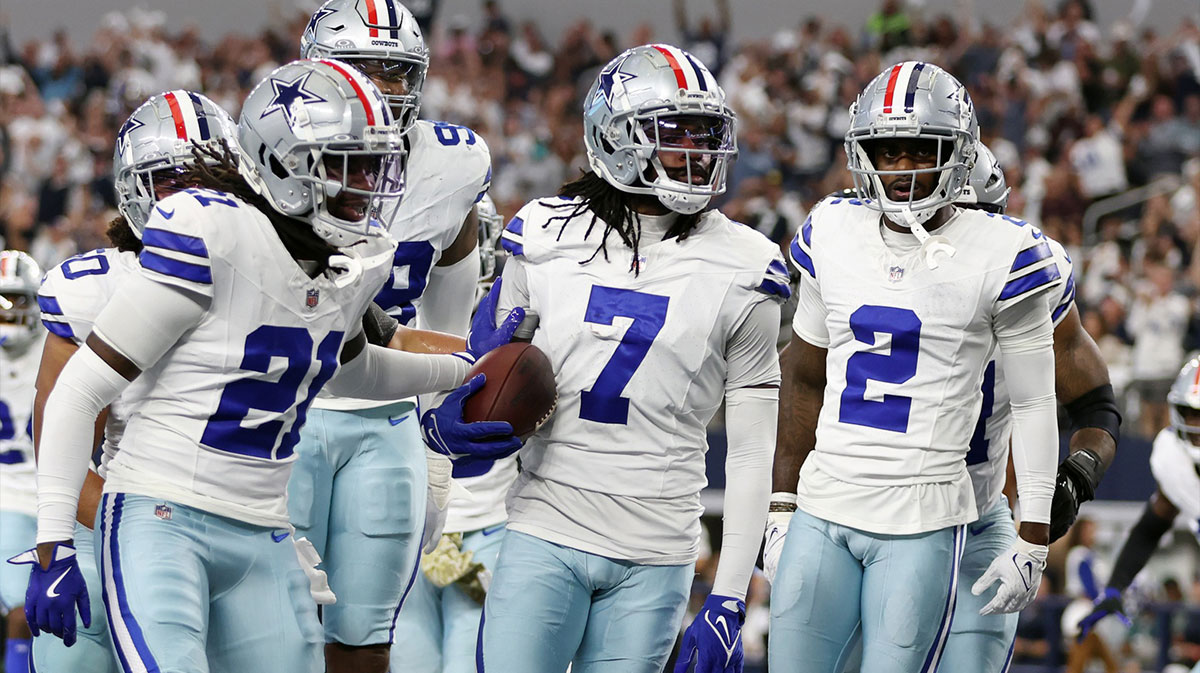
(520, 389)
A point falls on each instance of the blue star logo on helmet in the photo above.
(287, 94)
(316, 18)
(130, 124)
(612, 78)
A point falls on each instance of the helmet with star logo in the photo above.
(986, 188)
(1184, 401)
(650, 102)
(382, 39)
(20, 278)
(320, 145)
(156, 141)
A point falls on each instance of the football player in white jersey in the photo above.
(354, 453)
(1175, 464)
(20, 347)
(153, 147)
(248, 299)
(653, 310)
(894, 329)
(439, 624)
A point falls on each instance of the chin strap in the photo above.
(930, 245)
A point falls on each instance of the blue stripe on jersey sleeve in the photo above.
(516, 225)
(1030, 281)
(777, 266)
(169, 240)
(806, 231)
(195, 273)
(1068, 298)
(1030, 255)
(61, 329)
(512, 240)
(49, 305)
(801, 259)
(771, 287)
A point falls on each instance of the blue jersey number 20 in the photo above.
(293, 344)
(603, 403)
(890, 413)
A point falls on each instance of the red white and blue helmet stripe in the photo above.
(902, 82)
(191, 120)
(689, 74)
(377, 112)
(379, 9)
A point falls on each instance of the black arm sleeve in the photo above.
(378, 325)
(1139, 546)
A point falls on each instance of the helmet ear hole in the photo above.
(277, 168)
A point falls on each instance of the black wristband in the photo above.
(1097, 408)
(1085, 470)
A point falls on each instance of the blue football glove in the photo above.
(714, 640)
(484, 335)
(446, 432)
(1107, 603)
(54, 593)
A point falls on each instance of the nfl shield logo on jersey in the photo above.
(895, 273)
(312, 297)
(163, 512)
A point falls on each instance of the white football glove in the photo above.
(318, 582)
(777, 527)
(1019, 570)
(440, 470)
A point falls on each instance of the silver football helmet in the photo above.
(986, 188)
(379, 37)
(20, 278)
(658, 100)
(491, 225)
(1185, 395)
(320, 143)
(156, 141)
(913, 100)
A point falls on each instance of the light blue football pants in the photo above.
(357, 491)
(833, 580)
(550, 606)
(18, 531)
(93, 650)
(438, 628)
(191, 592)
(982, 644)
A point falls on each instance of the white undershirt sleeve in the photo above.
(380, 373)
(1026, 336)
(450, 296)
(514, 290)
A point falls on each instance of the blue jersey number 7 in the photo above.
(603, 403)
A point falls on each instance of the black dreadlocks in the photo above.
(610, 205)
(121, 235)
(300, 240)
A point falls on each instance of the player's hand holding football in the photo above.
(484, 334)
(446, 432)
(1107, 603)
(714, 639)
(1019, 570)
(54, 592)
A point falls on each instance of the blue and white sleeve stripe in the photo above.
(1033, 269)
(1065, 302)
(53, 318)
(513, 238)
(801, 249)
(178, 257)
(775, 281)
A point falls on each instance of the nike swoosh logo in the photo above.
(166, 215)
(980, 529)
(1028, 582)
(727, 640)
(493, 530)
(51, 593)
(397, 421)
(280, 537)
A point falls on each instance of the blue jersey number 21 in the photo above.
(890, 413)
(603, 403)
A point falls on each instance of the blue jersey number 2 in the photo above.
(603, 403)
(295, 345)
(890, 413)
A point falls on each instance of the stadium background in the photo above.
(1092, 107)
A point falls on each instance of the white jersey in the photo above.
(215, 420)
(18, 472)
(71, 296)
(987, 460)
(907, 349)
(1178, 476)
(642, 362)
(447, 169)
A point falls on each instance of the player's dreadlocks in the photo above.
(609, 205)
(121, 235)
(301, 241)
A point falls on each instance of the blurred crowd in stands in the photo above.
(1097, 128)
